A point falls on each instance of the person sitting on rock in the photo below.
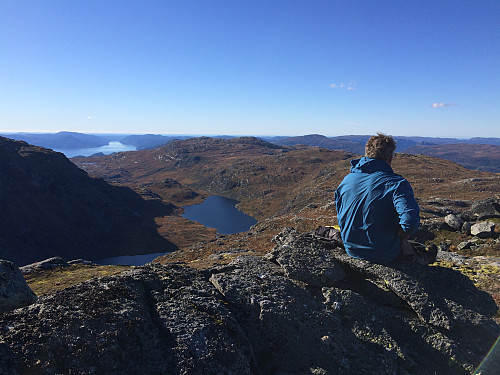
(376, 208)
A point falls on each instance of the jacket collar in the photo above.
(370, 165)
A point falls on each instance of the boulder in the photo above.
(274, 315)
(454, 222)
(14, 292)
(47, 264)
(485, 209)
(466, 227)
(313, 265)
(484, 229)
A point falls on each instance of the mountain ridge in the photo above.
(350, 143)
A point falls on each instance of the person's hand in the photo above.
(404, 236)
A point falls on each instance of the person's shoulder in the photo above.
(395, 180)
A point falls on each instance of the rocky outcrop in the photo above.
(483, 229)
(152, 320)
(50, 264)
(484, 209)
(454, 222)
(14, 292)
(275, 315)
(50, 207)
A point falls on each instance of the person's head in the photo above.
(380, 146)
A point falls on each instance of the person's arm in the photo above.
(407, 208)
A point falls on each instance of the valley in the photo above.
(278, 185)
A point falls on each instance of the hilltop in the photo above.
(474, 153)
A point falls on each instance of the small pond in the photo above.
(219, 213)
(129, 260)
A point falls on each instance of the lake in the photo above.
(219, 213)
(106, 150)
(215, 212)
(129, 260)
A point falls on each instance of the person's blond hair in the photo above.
(380, 146)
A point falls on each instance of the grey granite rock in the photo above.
(485, 209)
(454, 222)
(483, 229)
(46, 264)
(152, 320)
(14, 292)
(273, 315)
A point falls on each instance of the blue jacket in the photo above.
(372, 203)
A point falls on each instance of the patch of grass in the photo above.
(50, 281)
(447, 235)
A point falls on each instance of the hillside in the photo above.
(333, 143)
(278, 185)
(271, 180)
(474, 153)
(148, 141)
(50, 207)
(483, 157)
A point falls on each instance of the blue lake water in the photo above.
(130, 260)
(219, 213)
(106, 150)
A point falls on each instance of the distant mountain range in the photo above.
(484, 155)
(61, 140)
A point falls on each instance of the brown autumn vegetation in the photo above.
(280, 186)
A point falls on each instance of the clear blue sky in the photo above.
(429, 68)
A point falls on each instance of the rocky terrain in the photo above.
(480, 157)
(306, 308)
(50, 207)
(277, 183)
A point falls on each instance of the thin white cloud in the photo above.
(89, 117)
(441, 105)
(345, 86)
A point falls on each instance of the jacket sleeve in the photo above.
(406, 206)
